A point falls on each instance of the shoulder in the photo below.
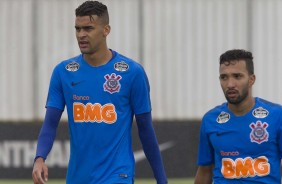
(218, 113)
(71, 64)
(269, 105)
(216, 110)
(123, 63)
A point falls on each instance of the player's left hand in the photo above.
(40, 172)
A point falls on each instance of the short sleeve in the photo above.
(280, 135)
(55, 94)
(205, 149)
(140, 92)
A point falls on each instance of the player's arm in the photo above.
(205, 156)
(280, 137)
(204, 175)
(44, 145)
(150, 146)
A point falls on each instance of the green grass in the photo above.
(138, 181)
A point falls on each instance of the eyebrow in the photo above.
(232, 74)
(83, 27)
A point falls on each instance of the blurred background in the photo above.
(177, 41)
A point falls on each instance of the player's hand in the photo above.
(40, 171)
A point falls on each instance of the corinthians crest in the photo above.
(112, 84)
(259, 133)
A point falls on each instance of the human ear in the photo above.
(252, 79)
(107, 30)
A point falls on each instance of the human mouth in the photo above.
(231, 93)
(83, 44)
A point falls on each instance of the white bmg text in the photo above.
(20, 154)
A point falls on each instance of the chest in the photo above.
(240, 134)
(96, 86)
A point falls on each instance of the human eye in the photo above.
(88, 28)
(237, 76)
(77, 28)
(223, 77)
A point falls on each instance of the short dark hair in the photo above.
(238, 54)
(89, 8)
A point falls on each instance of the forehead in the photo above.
(86, 20)
(235, 66)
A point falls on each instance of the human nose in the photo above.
(231, 83)
(80, 33)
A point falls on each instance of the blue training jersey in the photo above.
(101, 102)
(244, 149)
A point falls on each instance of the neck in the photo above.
(98, 58)
(242, 108)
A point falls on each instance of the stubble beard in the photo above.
(239, 99)
(85, 51)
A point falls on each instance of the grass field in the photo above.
(138, 181)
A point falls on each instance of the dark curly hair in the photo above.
(238, 54)
(89, 8)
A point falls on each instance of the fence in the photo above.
(178, 43)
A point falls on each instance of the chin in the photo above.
(85, 52)
(232, 101)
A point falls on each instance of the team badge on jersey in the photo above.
(223, 117)
(259, 133)
(72, 67)
(121, 66)
(112, 84)
(260, 112)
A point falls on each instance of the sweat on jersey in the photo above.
(101, 102)
(243, 149)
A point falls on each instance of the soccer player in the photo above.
(240, 140)
(102, 91)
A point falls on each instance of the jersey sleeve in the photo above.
(205, 149)
(280, 136)
(55, 94)
(150, 146)
(140, 92)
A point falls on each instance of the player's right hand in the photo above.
(40, 171)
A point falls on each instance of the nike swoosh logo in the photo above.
(220, 133)
(139, 155)
(75, 83)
